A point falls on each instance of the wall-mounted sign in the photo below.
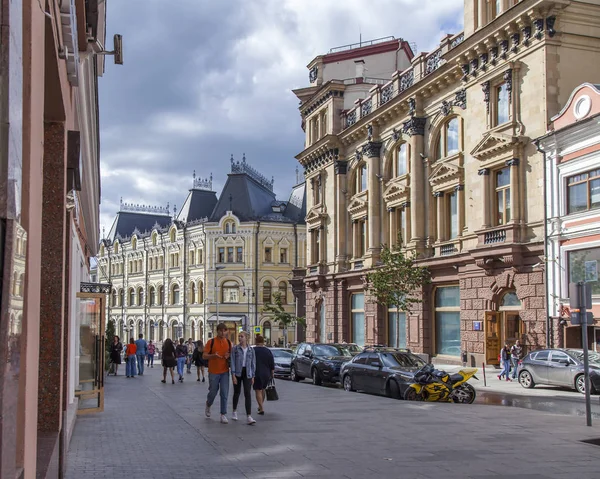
(477, 325)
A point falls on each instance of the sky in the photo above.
(205, 79)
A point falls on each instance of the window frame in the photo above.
(395, 170)
(239, 254)
(441, 310)
(587, 181)
(268, 252)
(221, 254)
(500, 217)
(356, 311)
(229, 287)
(267, 292)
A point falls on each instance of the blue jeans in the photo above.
(130, 366)
(218, 382)
(140, 363)
(515, 365)
(180, 365)
(151, 359)
(189, 362)
(506, 368)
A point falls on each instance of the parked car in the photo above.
(386, 371)
(353, 348)
(319, 361)
(283, 361)
(559, 367)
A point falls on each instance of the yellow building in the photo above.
(441, 151)
(218, 257)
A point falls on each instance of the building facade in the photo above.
(441, 152)
(572, 153)
(219, 259)
(49, 202)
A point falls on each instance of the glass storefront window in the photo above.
(447, 320)
(396, 329)
(583, 266)
(357, 305)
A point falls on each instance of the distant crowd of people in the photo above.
(249, 367)
(510, 356)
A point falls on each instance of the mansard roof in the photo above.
(126, 222)
(199, 203)
(295, 209)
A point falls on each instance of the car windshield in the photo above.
(354, 348)
(330, 350)
(593, 357)
(403, 360)
(281, 353)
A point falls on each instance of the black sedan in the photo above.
(559, 367)
(385, 371)
(320, 361)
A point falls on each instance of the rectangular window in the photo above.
(268, 255)
(316, 246)
(453, 215)
(230, 254)
(200, 256)
(402, 160)
(363, 178)
(502, 104)
(357, 306)
(583, 191)
(502, 178)
(231, 295)
(447, 320)
(191, 257)
(396, 329)
(283, 255)
(583, 266)
(221, 255)
(240, 255)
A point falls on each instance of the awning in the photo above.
(228, 318)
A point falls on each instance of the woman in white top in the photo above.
(243, 368)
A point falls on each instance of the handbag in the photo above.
(271, 391)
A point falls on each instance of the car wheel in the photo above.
(580, 383)
(411, 395)
(526, 380)
(316, 377)
(347, 382)
(394, 390)
(464, 394)
(293, 375)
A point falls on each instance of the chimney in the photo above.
(360, 68)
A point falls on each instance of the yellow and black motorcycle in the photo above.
(431, 384)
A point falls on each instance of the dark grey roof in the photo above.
(296, 205)
(245, 197)
(199, 204)
(127, 222)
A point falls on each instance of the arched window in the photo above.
(116, 247)
(134, 243)
(140, 265)
(231, 292)
(448, 143)
(175, 294)
(114, 297)
(161, 294)
(140, 297)
(511, 300)
(233, 227)
(267, 292)
(152, 296)
(227, 228)
(131, 297)
(200, 292)
(154, 238)
(192, 292)
(173, 235)
(283, 292)
(401, 160)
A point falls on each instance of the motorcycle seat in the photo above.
(456, 377)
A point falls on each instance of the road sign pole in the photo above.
(582, 299)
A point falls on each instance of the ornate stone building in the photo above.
(224, 257)
(440, 151)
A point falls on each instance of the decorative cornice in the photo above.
(415, 126)
(321, 160)
(135, 208)
(202, 183)
(550, 21)
(372, 149)
(460, 99)
(318, 101)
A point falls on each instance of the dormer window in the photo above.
(229, 227)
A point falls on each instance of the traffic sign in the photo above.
(257, 329)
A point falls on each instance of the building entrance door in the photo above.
(90, 351)
(500, 327)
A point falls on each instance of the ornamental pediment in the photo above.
(396, 190)
(494, 144)
(358, 206)
(315, 215)
(445, 175)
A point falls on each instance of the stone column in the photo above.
(51, 387)
(373, 237)
(415, 127)
(485, 174)
(439, 198)
(460, 204)
(515, 197)
(341, 247)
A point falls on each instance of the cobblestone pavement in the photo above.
(153, 430)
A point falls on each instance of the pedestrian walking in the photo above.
(505, 362)
(190, 352)
(130, 353)
(265, 371)
(141, 351)
(198, 360)
(516, 354)
(243, 368)
(116, 348)
(181, 354)
(151, 353)
(217, 352)
(169, 361)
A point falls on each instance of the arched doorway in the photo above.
(503, 326)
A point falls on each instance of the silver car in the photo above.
(559, 367)
(283, 361)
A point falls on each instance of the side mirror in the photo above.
(564, 362)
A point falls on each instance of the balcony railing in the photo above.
(447, 249)
(493, 237)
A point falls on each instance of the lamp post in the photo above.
(217, 268)
(249, 294)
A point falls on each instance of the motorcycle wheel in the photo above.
(464, 394)
(411, 395)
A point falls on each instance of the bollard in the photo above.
(484, 380)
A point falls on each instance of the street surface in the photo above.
(154, 430)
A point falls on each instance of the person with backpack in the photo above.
(217, 352)
(198, 361)
(181, 352)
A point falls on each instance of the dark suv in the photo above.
(319, 361)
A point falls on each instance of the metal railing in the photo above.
(368, 43)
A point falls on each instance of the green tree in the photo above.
(397, 281)
(281, 316)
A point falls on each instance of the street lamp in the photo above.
(217, 268)
(248, 293)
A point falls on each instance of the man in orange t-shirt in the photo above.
(217, 351)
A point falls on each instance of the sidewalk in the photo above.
(158, 431)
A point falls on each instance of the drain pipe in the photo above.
(256, 273)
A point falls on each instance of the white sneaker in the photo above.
(251, 421)
(234, 416)
(224, 419)
(207, 411)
